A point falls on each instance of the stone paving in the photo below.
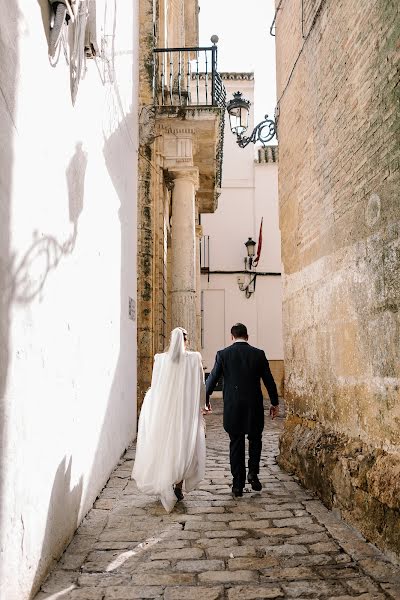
(280, 543)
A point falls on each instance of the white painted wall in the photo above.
(68, 184)
(249, 191)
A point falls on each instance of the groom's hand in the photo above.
(274, 412)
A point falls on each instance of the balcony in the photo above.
(187, 77)
(188, 87)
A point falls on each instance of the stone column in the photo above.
(183, 251)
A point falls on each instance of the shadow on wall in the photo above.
(119, 151)
(64, 505)
(26, 277)
(23, 280)
(28, 282)
(8, 77)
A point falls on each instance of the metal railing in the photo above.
(187, 77)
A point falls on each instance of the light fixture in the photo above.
(251, 248)
(238, 110)
(247, 282)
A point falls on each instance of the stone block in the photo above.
(216, 542)
(252, 563)
(293, 522)
(197, 566)
(194, 593)
(86, 594)
(226, 533)
(285, 550)
(132, 592)
(204, 525)
(228, 576)
(254, 593)
(164, 579)
(289, 573)
(59, 579)
(379, 570)
(317, 589)
(178, 554)
(231, 551)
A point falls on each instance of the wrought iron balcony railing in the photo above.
(187, 77)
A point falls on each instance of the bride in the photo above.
(171, 442)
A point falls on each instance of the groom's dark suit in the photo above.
(243, 368)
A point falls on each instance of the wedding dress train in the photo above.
(171, 440)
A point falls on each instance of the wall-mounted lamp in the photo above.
(238, 110)
(251, 249)
(247, 282)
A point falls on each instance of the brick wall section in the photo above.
(339, 177)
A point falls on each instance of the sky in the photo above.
(245, 44)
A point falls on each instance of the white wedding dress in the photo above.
(171, 440)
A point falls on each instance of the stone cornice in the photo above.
(236, 76)
(226, 76)
(176, 129)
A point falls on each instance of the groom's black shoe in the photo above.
(237, 492)
(255, 483)
(178, 493)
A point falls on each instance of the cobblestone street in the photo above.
(280, 543)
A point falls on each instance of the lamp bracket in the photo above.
(263, 132)
(250, 287)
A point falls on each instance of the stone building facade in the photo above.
(180, 157)
(339, 177)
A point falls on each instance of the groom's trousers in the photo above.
(237, 454)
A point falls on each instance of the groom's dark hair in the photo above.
(239, 331)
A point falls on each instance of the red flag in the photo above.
(257, 258)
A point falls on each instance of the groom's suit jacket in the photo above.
(243, 368)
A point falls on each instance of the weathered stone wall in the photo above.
(147, 191)
(278, 373)
(167, 21)
(337, 71)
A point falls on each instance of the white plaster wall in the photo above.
(67, 246)
(267, 206)
(261, 314)
(249, 191)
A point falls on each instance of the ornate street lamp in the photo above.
(238, 109)
(251, 249)
(247, 282)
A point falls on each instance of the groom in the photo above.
(243, 366)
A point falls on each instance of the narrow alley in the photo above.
(280, 543)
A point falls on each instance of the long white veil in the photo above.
(176, 348)
(171, 445)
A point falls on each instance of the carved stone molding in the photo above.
(178, 149)
(187, 173)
